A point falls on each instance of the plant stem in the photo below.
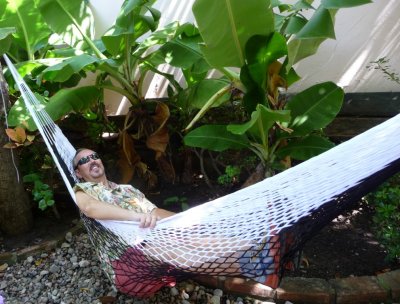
(86, 38)
(208, 105)
(121, 91)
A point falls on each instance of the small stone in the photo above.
(185, 295)
(68, 237)
(54, 269)
(189, 288)
(3, 267)
(218, 292)
(215, 300)
(74, 259)
(174, 291)
(29, 259)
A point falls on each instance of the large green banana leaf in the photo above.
(343, 3)
(31, 30)
(305, 147)
(227, 25)
(6, 38)
(63, 71)
(60, 104)
(262, 119)
(71, 20)
(215, 138)
(319, 28)
(314, 108)
(135, 19)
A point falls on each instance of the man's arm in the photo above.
(103, 211)
(161, 213)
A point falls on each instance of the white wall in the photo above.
(363, 34)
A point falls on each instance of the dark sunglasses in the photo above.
(86, 159)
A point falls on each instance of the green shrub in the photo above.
(177, 201)
(42, 193)
(231, 175)
(386, 201)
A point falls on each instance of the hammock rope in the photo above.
(254, 232)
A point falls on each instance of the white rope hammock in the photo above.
(256, 227)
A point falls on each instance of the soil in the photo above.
(345, 247)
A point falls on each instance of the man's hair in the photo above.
(74, 162)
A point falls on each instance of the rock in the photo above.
(174, 291)
(54, 269)
(29, 259)
(3, 267)
(215, 300)
(68, 237)
(218, 292)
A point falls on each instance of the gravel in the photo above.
(71, 274)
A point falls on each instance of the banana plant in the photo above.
(121, 60)
(256, 54)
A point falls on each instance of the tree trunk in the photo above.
(15, 209)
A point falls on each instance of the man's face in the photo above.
(88, 166)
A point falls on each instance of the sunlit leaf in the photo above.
(315, 107)
(6, 38)
(226, 26)
(335, 4)
(215, 138)
(321, 25)
(63, 71)
(72, 20)
(31, 30)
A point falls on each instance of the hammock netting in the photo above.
(254, 232)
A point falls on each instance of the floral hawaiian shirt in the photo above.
(125, 196)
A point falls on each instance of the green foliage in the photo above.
(41, 192)
(386, 201)
(265, 48)
(230, 177)
(181, 201)
(382, 64)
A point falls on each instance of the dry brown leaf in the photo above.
(161, 114)
(21, 135)
(10, 145)
(158, 141)
(11, 134)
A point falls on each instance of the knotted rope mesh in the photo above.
(254, 232)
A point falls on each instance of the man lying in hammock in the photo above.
(101, 199)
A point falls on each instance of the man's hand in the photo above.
(148, 220)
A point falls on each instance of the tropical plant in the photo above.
(382, 64)
(386, 201)
(230, 176)
(120, 59)
(177, 201)
(264, 39)
(42, 193)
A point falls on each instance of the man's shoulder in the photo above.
(82, 186)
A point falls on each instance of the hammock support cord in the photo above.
(253, 232)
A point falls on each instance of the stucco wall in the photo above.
(363, 34)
